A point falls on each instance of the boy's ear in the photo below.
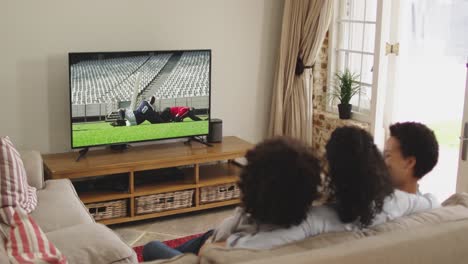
(411, 162)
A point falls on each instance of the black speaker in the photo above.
(216, 131)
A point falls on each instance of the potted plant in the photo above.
(345, 88)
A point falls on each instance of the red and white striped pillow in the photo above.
(14, 188)
(25, 243)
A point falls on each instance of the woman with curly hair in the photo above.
(360, 186)
(361, 193)
(278, 185)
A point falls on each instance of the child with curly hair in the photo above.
(278, 185)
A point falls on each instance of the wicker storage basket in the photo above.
(107, 210)
(216, 193)
(163, 202)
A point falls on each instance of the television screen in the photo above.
(123, 97)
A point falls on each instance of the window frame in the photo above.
(333, 42)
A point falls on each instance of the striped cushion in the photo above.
(14, 188)
(24, 240)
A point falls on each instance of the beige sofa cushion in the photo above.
(455, 208)
(457, 199)
(91, 243)
(435, 216)
(59, 207)
(182, 259)
(34, 168)
(444, 243)
(214, 254)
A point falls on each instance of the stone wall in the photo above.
(324, 123)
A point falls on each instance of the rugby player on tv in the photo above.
(144, 112)
(178, 114)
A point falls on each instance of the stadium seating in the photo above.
(108, 82)
(189, 78)
(101, 81)
(93, 81)
(149, 70)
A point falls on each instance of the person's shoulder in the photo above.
(431, 197)
(413, 200)
(427, 196)
(398, 196)
(322, 213)
(322, 219)
(396, 199)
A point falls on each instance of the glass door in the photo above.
(462, 183)
(426, 80)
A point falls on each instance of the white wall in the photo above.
(35, 37)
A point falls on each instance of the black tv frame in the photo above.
(135, 52)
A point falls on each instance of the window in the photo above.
(352, 46)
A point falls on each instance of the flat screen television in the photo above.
(124, 97)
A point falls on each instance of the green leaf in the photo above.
(346, 85)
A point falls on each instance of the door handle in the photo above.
(464, 140)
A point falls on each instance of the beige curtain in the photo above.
(305, 24)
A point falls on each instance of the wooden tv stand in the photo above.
(203, 166)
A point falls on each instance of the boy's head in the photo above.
(279, 182)
(410, 153)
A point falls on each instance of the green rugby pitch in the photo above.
(102, 133)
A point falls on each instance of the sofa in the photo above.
(435, 236)
(66, 222)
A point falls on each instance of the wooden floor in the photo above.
(171, 227)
